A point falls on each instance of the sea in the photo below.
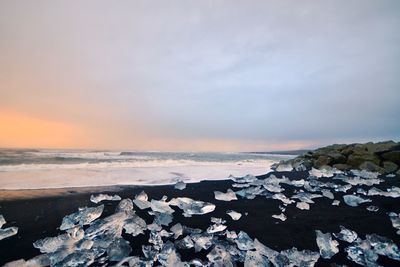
(44, 168)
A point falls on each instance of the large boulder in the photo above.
(342, 167)
(322, 161)
(390, 167)
(372, 167)
(356, 159)
(393, 156)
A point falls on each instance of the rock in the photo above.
(393, 156)
(355, 160)
(322, 160)
(381, 146)
(390, 167)
(372, 167)
(342, 167)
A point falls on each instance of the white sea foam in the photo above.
(114, 168)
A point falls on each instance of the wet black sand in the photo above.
(40, 217)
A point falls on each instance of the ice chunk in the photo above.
(327, 246)
(38, 261)
(281, 217)
(393, 192)
(327, 172)
(125, 205)
(192, 207)
(52, 244)
(245, 179)
(100, 197)
(282, 198)
(384, 246)
(228, 196)
(163, 218)
(362, 253)
(254, 259)
(373, 208)
(2, 221)
(219, 256)
(335, 203)
(327, 193)
(244, 242)
(354, 200)
(234, 215)
(161, 206)
(395, 218)
(304, 258)
(83, 216)
(346, 235)
(365, 174)
(184, 243)
(202, 241)
(141, 201)
(303, 205)
(250, 192)
(7, 232)
(135, 225)
(284, 167)
(216, 228)
(180, 185)
(358, 180)
(177, 230)
(306, 197)
(230, 234)
(118, 250)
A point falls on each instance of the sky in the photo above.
(204, 75)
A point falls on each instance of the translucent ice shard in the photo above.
(306, 197)
(328, 172)
(373, 208)
(220, 256)
(83, 216)
(304, 258)
(281, 217)
(283, 198)
(52, 244)
(228, 196)
(303, 205)
(141, 201)
(384, 246)
(118, 250)
(216, 228)
(125, 205)
(255, 258)
(284, 167)
(245, 179)
(180, 185)
(250, 192)
(346, 235)
(163, 218)
(135, 225)
(38, 261)
(365, 174)
(358, 180)
(244, 242)
(395, 218)
(393, 192)
(327, 193)
(177, 230)
(184, 243)
(192, 207)
(202, 241)
(234, 215)
(362, 253)
(7, 232)
(354, 201)
(2, 221)
(161, 206)
(327, 246)
(335, 203)
(100, 197)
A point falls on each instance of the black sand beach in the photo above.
(40, 217)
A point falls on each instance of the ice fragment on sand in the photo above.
(327, 172)
(177, 230)
(281, 217)
(52, 244)
(362, 253)
(2, 221)
(304, 258)
(357, 180)
(163, 218)
(395, 218)
(384, 246)
(254, 259)
(365, 174)
(180, 185)
(244, 242)
(335, 203)
(250, 192)
(219, 256)
(372, 208)
(141, 201)
(161, 206)
(125, 205)
(83, 216)
(234, 215)
(202, 241)
(354, 201)
(327, 246)
(390, 192)
(306, 197)
(7, 232)
(135, 225)
(118, 250)
(100, 197)
(303, 205)
(346, 235)
(228, 196)
(184, 243)
(327, 193)
(284, 167)
(38, 261)
(282, 198)
(192, 207)
(216, 228)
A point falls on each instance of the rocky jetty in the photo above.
(382, 157)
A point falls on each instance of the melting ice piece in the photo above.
(365, 174)
(184, 243)
(244, 242)
(362, 253)
(228, 196)
(52, 244)
(118, 250)
(38, 261)
(220, 256)
(192, 207)
(215, 228)
(303, 205)
(180, 185)
(2, 221)
(393, 192)
(304, 258)
(177, 230)
(327, 193)
(284, 167)
(245, 179)
(306, 197)
(141, 201)
(125, 205)
(354, 201)
(328, 172)
(384, 246)
(135, 225)
(202, 241)
(230, 234)
(373, 208)
(346, 235)
(163, 218)
(83, 216)
(7, 232)
(327, 246)
(100, 197)
(357, 180)
(282, 198)
(395, 218)
(250, 192)
(234, 215)
(255, 258)
(161, 206)
(281, 217)
(335, 203)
